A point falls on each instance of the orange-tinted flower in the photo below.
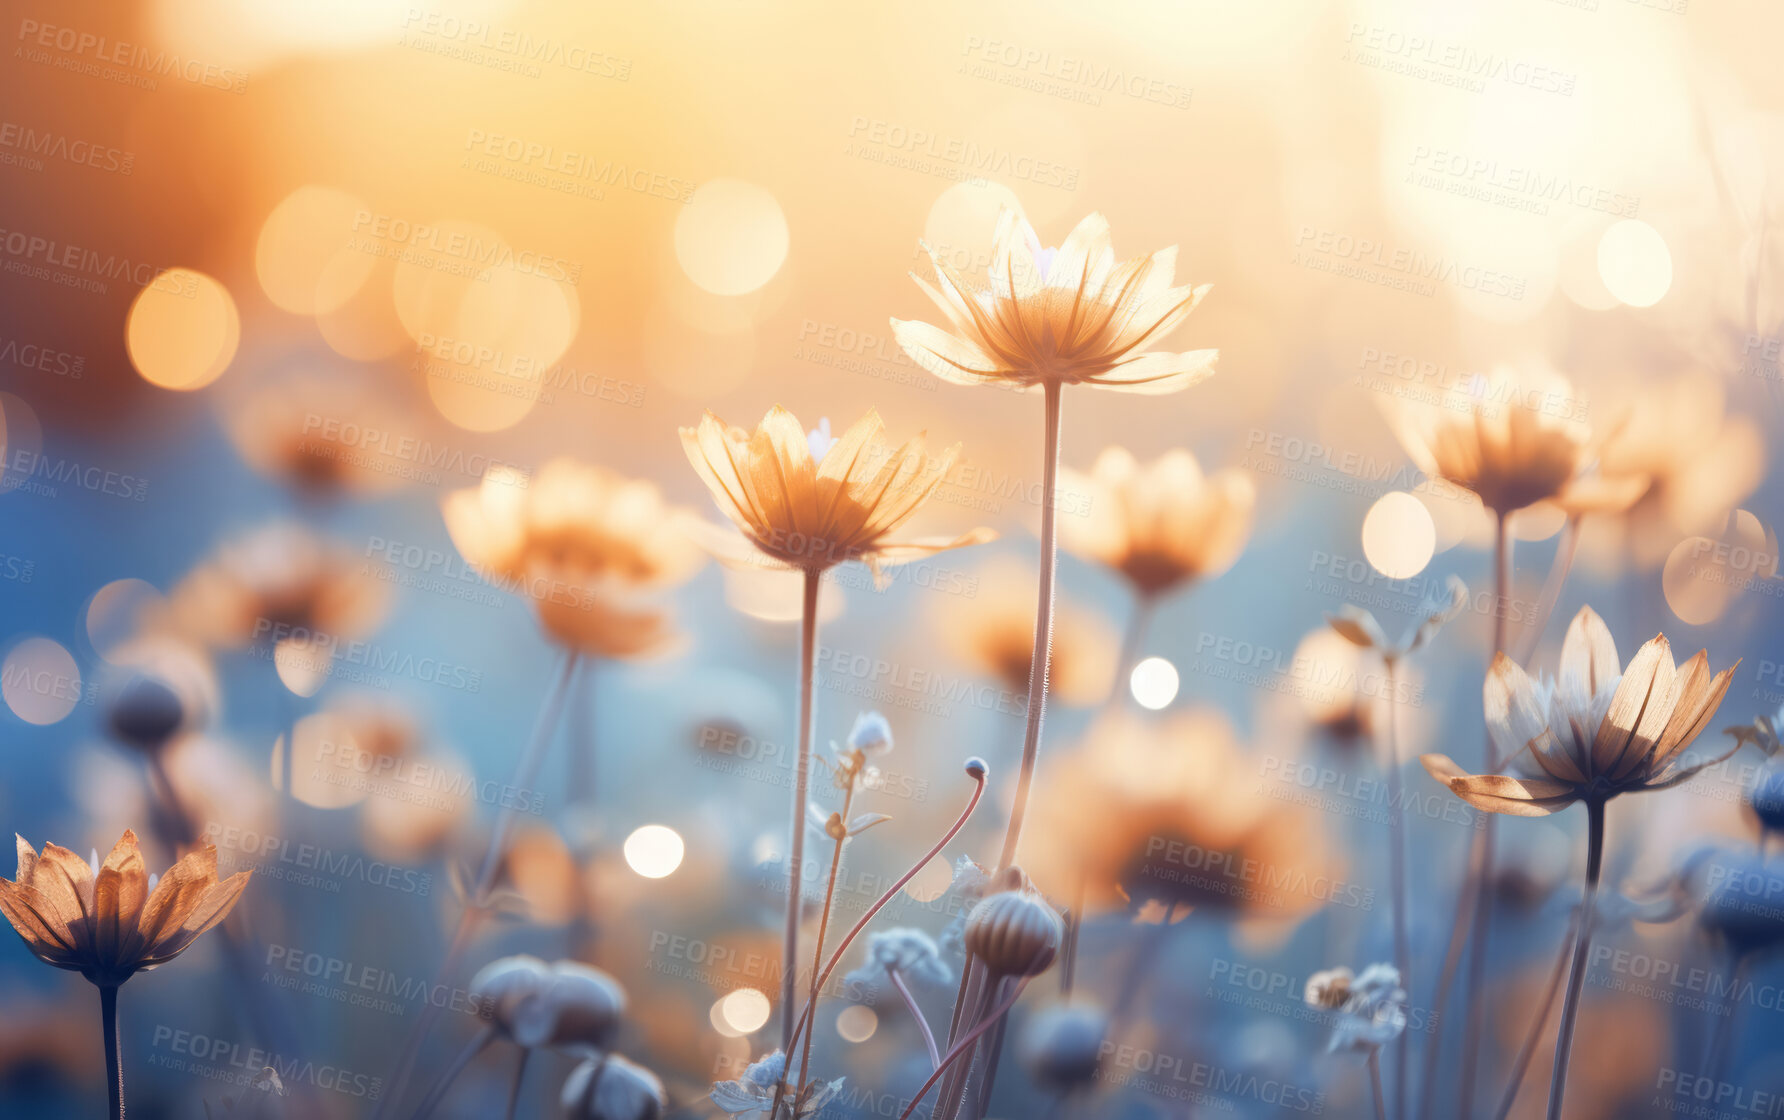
(321, 436)
(111, 921)
(1161, 524)
(993, 631)
(1071, 315)
(1599, 731)
(589, 547)
(1514, 439)
(1169, 815)
(280, 581)
(809, 502)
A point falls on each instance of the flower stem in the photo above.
(1576, 979)
(114, 1070)
(475, 905)
(1483, 880)
(935, 1058)
(1074, 928)
(478, 1042)
(1397, 873)
(520, 1073)
(1133, 639)
(963, 1046)
(817, 953)
(855, 931)
(1528, 1050)
(1040, 660)
(1716, 1061)
(1381, 1112)
(808, 652)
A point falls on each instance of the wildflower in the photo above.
(1372, 1012)
(1597, 732)
(910, 953)
(589, 547)
(812, 512)
(110, 921)
(752, 1096)
(1070, 315)
(1014, 931)
(1160, 525)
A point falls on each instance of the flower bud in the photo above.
(504, 987)
(579, 1006)
(871, 734)
(1062, 1046)
(1014, 931)
(144, 712)
(612, 1088)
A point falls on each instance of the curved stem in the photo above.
(1039, 662)
(520, 1073)
(525, 775)
(114, 1069)
(964, 1045)
(855, 931)
(935, 1059)
(817, 953)
(450, 1074)
(1528, 1050)
(1381, 1112)
(808, 652)
(1576, 979)
(1397, 872)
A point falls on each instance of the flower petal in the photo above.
(1588, 656)
(1638, 711)
(1517, 721)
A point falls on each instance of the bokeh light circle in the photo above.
(116, 613)
(182, 331)
(1154, 683)
(40, 681)
(1399, 537)
(731, 237)
(856, 1023)
(304, 258)
(654, 851)
(741, 1012)
(1634, 263)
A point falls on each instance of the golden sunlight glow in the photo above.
(1154, 683)
(1333, 664)
(731, 237)
(183, 330)
(1399, 536)
(1634, 263)
(654, 851)
(304, 258)
(856, 1023)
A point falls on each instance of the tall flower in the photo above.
(1161, 524)
(113, 920)
(1600, 730)
(1056, 317)
(1068, 315)
(587, 546)
(808, 502)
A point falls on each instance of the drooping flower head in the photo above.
(108, 921)
(1598, 731)
(1160, 524)
(589, 548)
(809, 511)
(1072, 315)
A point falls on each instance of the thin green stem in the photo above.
(1397, 871)
(963, 1046)
(842, 946)
(910, 1001)
(520, 1074)
(114, 1069)
(1041, 657)
(1381, 1112)
(817, 953)
(525, 775)
(808, 653)
(1576, 978)
(478, 1042)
